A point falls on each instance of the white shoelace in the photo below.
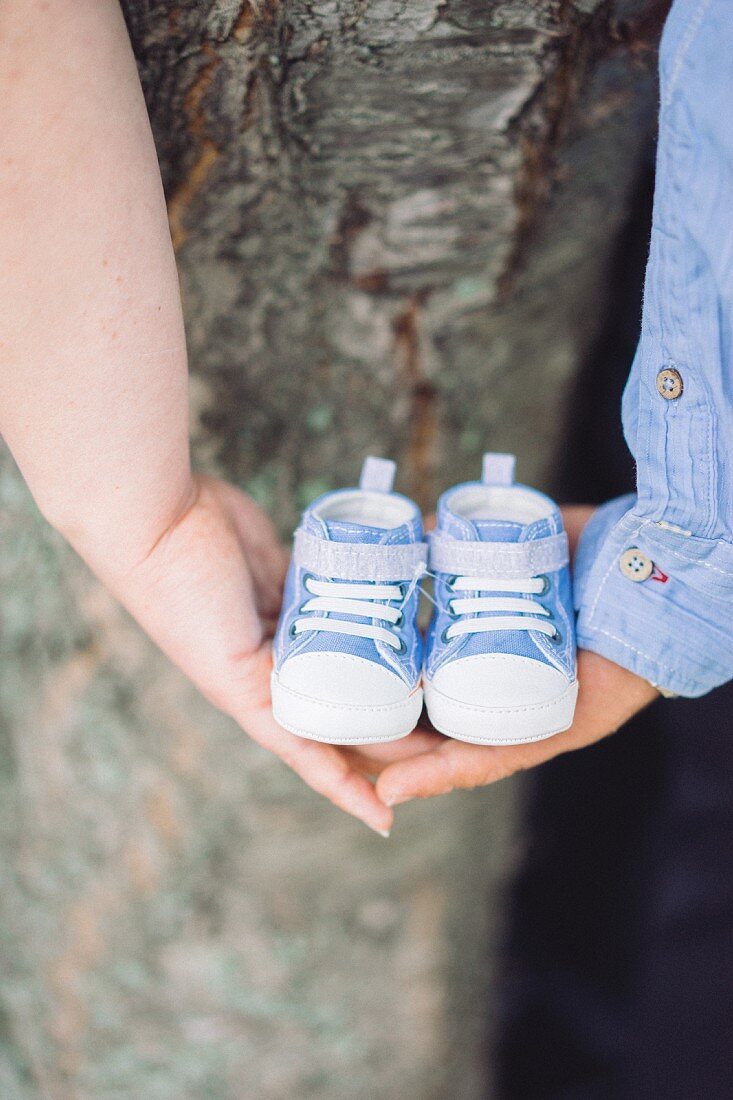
(520, 614)
(336, 598)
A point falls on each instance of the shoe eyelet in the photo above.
(400, 621)
(403, 591)
(307, 577)
(292, 631)
(443, 637)
(402, 648)
(556, 638)
(546, 584)
(450, 611)
(450, 581)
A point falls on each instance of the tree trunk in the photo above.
(392, 219)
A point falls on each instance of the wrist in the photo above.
(114, 537)
(655, 600)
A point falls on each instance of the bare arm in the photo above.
(93, 375)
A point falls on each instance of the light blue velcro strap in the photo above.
(377, 475)
(349, 561)
(506, 560)
(498, 469)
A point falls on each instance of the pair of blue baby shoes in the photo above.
(498, 665)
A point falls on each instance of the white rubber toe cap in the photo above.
(343, 699)
(343, 679)
(499, 680)
(500, 699)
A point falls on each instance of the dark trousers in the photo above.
(617, 977)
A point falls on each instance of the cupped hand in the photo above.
(608, 697)
(209, 593)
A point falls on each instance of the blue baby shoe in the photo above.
(347, 652)
(500, 663)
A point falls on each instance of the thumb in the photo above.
(575, 517)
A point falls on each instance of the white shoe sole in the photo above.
(339, 724)
(500, 725)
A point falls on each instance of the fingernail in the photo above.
(396, 799)
(382, 832)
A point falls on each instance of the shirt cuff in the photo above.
(655, 599)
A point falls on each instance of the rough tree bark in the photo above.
(392, 219)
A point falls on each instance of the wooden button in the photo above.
(670, 384)
(636, 566)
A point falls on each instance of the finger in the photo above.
(323, 767)
(373, 759)
(575, 517)
(457, 765)
(269, 624)
(608, 697)
(450, 766)
(420, 740)
(267, 558)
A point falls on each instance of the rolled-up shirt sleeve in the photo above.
(654, 570)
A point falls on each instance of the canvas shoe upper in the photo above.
(347, 652)
(500, 663)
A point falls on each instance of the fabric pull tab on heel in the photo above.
(497, 469)
(377, 475)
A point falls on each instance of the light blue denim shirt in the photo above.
(654, 571)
